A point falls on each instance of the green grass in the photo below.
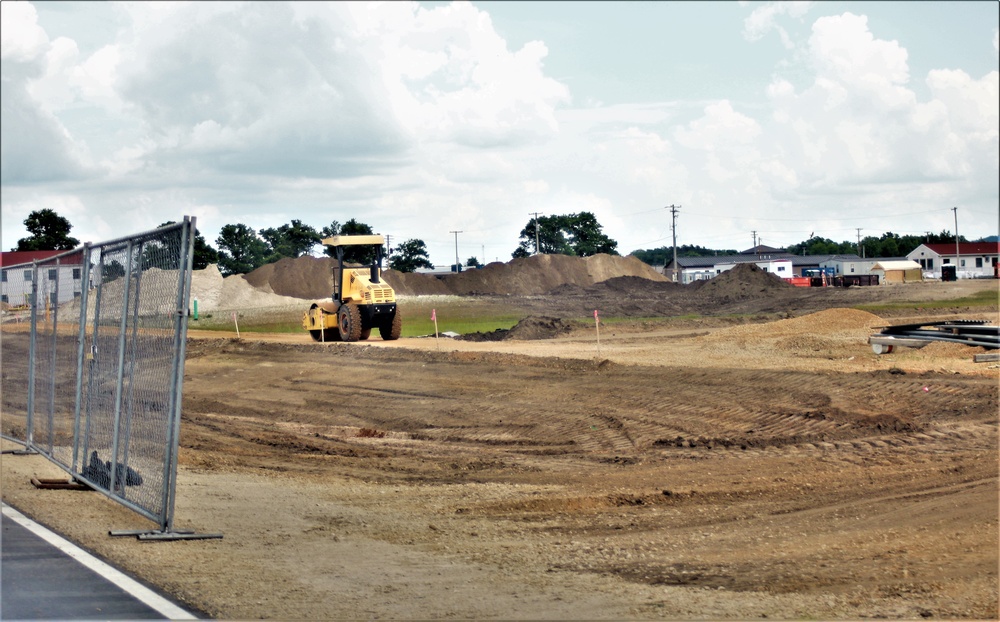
(460, 317)
(985, 298)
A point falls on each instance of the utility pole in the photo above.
(673, 229)
(535, 214)
(860, 250)
(388, 247)
(754, 234)
(958, 258)
(458, 266)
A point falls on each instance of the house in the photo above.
(897, 271)
(59, 280)
(974, 259)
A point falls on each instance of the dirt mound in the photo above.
(215, 292)
(819, 331)
(530, 328)
(303, 277)
(312, 278)
(634, 286)
(533, 275)
(744, 282)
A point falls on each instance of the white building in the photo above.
(17, 270)
(974, 259)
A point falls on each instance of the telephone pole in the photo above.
(673, 229)
(958, 258)
(535, 214)
(458, 266)
(859, 244)
(754, 234)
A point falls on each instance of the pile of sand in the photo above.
(215, 292)
(824, 330)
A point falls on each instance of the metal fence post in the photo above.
(33, 304)
(185, 261)
(80, 348)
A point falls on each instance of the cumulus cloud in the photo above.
(764, 19)
(859, 122)
(34, 145)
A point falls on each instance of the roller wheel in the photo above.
(349, 322)
(391, 329)
(327, 334)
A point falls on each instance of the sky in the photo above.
(455, 123)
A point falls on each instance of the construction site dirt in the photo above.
(750, 458)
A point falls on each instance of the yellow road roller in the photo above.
(361, 300)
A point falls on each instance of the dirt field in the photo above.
(708, 468)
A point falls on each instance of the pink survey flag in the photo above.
(434, 315)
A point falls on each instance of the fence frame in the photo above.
(121, 415)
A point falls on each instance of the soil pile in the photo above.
(302, 277)
(312, 277)
(215, 292)
(530, 328)
(744, 282)
(533, 275)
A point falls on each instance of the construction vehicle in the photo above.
(361, 300)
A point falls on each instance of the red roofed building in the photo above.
(975, 260)
(59, 280)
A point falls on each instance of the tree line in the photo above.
(241, 249)
(887, 245)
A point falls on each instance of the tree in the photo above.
(473, 262)
(204, 254)
(665, 254)
(352, 254)
(240, 250)
(49, 232)
(569, 234)
(294, 240)
(409, 256)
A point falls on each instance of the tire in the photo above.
(327, 334)
(390, 330)
(349, 322)
(365, 333)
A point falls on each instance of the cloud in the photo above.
(860, 123)
(22, 40)
(764, 19)
(34, 145)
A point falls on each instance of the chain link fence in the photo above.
(93, 368)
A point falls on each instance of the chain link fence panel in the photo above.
(93, 372)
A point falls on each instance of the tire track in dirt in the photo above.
(477, 405)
